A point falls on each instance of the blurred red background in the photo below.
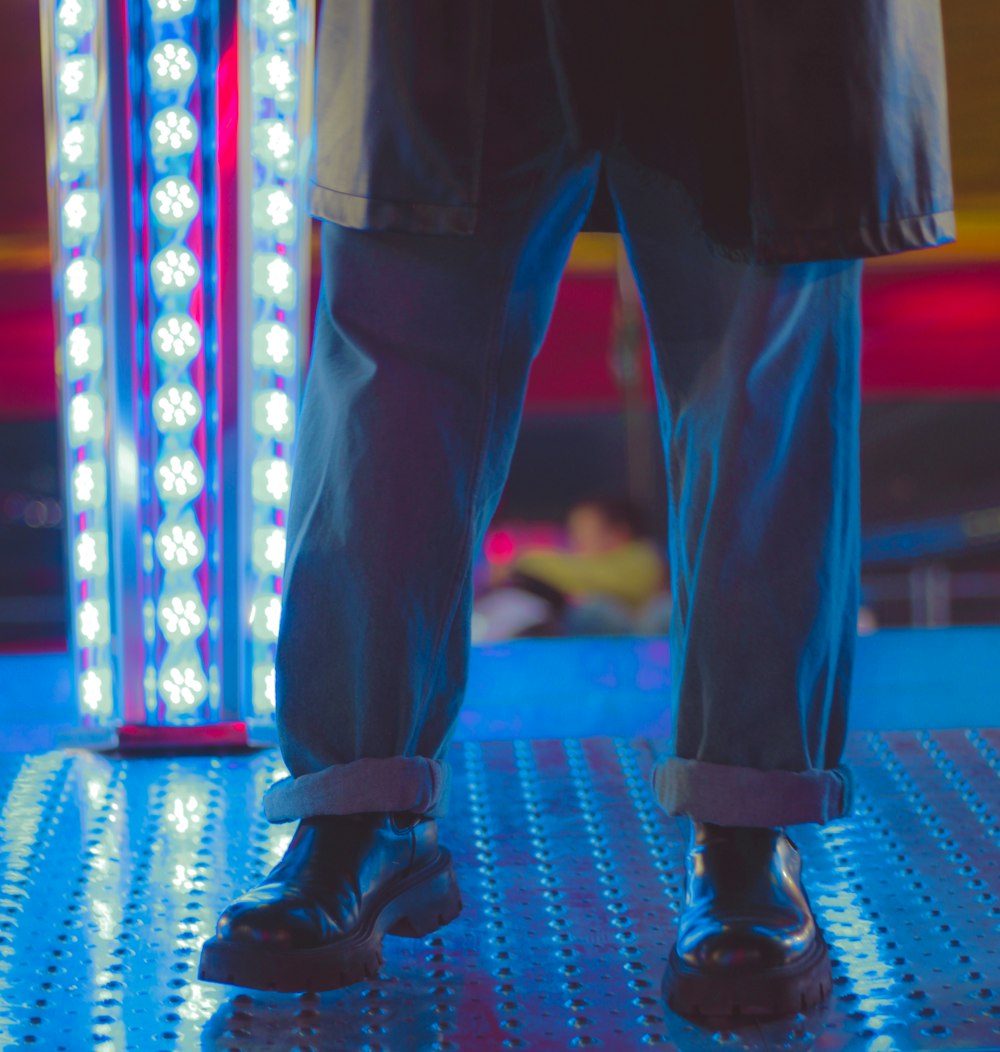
(930, 363)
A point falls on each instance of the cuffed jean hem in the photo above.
(395, 783)
(745, 796)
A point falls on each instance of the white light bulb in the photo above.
(181, 616)
(72, 76)
(273, 15)
(81, 217)
(280, 208)
(76, 17)
(83, 485)
(279, 276)
(172, 66)
(176, 407)
(272, 479)
(183, 685)
(273, 77)
(173, 132)
(89, 485)
(78, 81)
(78, 149)
(82, 282)
(167, 10)
(264, 694)
(174, 270)
(86, 418)
(265, 616)
(274, 145)
(273, 415)
(93, 618)
(278, 478)
(273, 347)
(86, 553)
(74, 211)
(279, 73)
(179, 477)
(95, 691)
(274, 279)
(84, 351)
(269, 549)
(180, 546)
(91, 551)
(176, 338)
(274, 210)
(175, 201)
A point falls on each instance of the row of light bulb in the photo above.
(176, 339)
(76, 18)
(175, 271)
(273, 279)
(83, 338)
(180, 479)
(173, 66)
(177, 409)
(174, 133)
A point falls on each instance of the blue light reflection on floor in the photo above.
(113, 871)
(905, 679)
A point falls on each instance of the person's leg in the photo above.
(409, 418)
(756, 371)
(758, 396)
(410, 413)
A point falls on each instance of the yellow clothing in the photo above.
(631, 573)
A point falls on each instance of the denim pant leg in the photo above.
(757, 374)
(410, 413)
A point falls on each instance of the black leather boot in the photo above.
(316, 921)
(747, 942)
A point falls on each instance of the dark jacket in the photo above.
(805, 129)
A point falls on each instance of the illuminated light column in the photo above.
(179, 134)
(76, 86)
(181, 576)
(275, 91)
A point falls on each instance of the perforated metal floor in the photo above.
(112, 873)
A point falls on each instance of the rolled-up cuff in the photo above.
(395, 783)
(745, 796)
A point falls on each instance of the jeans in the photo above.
(410, 412)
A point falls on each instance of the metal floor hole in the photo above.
(113, 871)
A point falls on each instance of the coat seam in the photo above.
(404, 203)
(799, 231)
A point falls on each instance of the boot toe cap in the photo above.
(741, 947)
(286, 921)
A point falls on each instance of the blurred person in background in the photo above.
(603, 583)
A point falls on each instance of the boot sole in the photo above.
(415, 906)
(749, 993)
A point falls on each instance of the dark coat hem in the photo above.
(367, 213)
(875, 239)
(802, 246)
